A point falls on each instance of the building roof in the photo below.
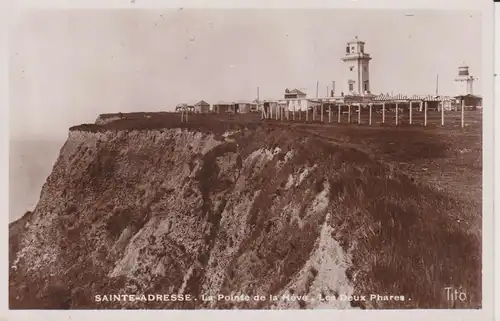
(400, 97)
(436, 98)
(417, 97)
(224, 103)
(189, 104)
(181, 106)
(296, 91)
(355, 40)
(352, 93)
(387, 97)
(202, 103)
(330, 99)
(468, 96)
(313, 103)
(245, 102)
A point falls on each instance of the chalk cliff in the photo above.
(261, 211)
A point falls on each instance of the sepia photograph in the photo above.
(291, 159)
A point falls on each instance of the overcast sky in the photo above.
(68, 66)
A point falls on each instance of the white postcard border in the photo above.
(7, 16)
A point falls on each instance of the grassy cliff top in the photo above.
(165, 120)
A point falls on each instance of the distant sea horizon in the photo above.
(30, 163)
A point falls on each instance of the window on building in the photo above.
(351, 68)
(366, 85)
(347, 49)
(351, 87)
(352, 49)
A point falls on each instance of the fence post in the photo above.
(410, 113)
(462, 113)
(307, 113)
(329, 114)
(359, 114)
(349, 114)
(397, 116)
(322, 112)
(383, 113)
(442, 112)
(425, 113)
(370, 117)
(338, 113)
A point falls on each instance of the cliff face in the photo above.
(256, 212)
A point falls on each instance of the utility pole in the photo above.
(437, 85)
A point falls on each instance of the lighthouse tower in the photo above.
(356, 71)
(464, 81)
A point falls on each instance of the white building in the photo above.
(356, 69)
(464, 81)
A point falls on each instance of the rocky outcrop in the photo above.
(263, 212)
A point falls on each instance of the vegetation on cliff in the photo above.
(151, 205)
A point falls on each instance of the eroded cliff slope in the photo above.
(260, 211)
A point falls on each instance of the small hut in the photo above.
(294, 94)
(470, 101)
(202, 107)
(223, 107)
(246, 106)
